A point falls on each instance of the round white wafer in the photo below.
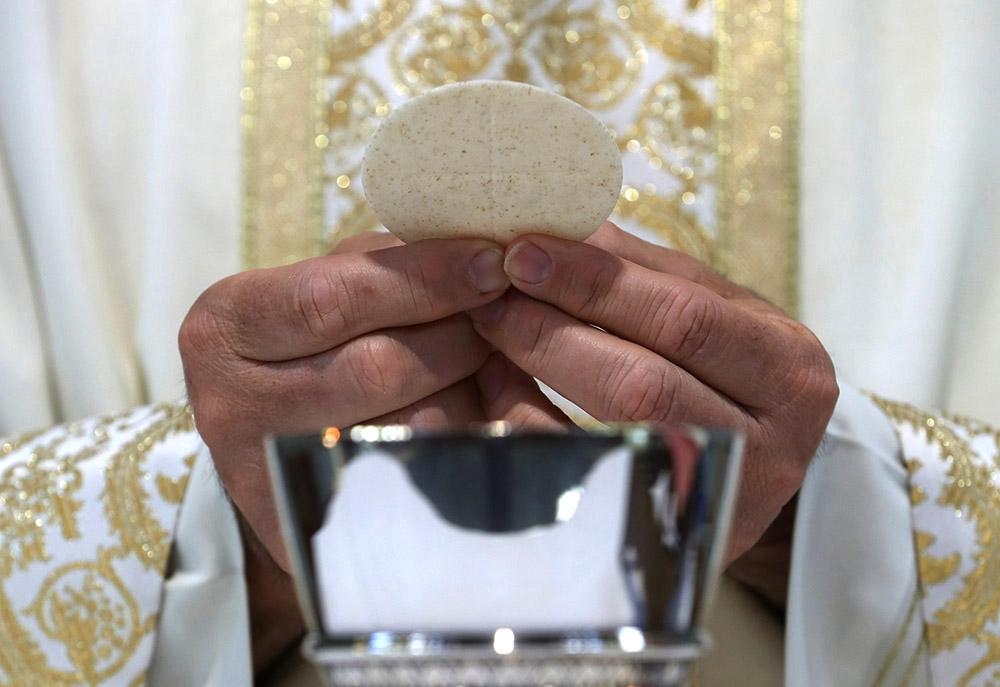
(494, 160)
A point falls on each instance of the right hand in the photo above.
(374, 337)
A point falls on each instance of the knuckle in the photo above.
(589, 283)
(379, 368)
(204, 334)
(213, 414)
(536, 339)
(685, 321)
(325, 303)
(197, 331)
(645, 392)
(816, 379)
(419, 275)
(821, 384)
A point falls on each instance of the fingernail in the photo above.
(486, 271)
(489, 313)
(528, 263)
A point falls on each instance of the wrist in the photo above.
(764, 569)
(275, 620)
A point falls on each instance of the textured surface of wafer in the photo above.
(494, 160)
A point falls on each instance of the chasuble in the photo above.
(835, 157)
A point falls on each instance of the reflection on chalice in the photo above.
(494, 557)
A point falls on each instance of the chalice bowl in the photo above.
(494, 558)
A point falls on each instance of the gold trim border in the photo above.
(284, 131)
(757, 130)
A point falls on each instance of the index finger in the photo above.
(619, 242)
(315, 305)
(725, 347)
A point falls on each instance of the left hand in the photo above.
(632, 332)
(498, 390)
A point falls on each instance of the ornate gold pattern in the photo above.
(87, 608)
(172, 490)
(970, 489)
(284, 131)
(68, 620)
(704, 115)
(126, 508)
(36, 492)
(934, 569)
(757, 136)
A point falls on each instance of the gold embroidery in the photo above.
(975, 427)
(284, 132)
(990, 658)
(35, 493)
(934, 569)
(172, 490)
(346, 46)
(970, 492)
(596, 61)
(126, 507)
(660, 213)
(706, 120)
(16, 441)
(756, 120)
(670, 38)
(85, 607)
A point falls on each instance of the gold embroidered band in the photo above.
(284, 131)
(701, 97)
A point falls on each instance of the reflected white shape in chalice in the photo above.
(385, 559)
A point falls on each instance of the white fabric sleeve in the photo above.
(27, 399)
(853, 607)
(203, 636)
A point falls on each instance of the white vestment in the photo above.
(120, 202)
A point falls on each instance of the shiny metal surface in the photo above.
(492, 558)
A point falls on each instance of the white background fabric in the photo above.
(122, 137)
(900, 212)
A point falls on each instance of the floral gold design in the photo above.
(597, 62)
(595, 54)
(971, 491)
(79, 622)
(87, 608)
(126, 499)
(700, 96)
(441, 48)
(661, 214)
(35, 493)
(934, 569)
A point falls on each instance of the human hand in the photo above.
(498, 390)
(674, 342)
(337, 340)
(354, 337)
